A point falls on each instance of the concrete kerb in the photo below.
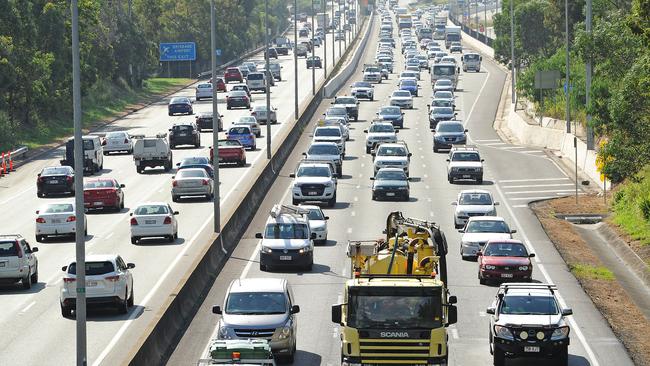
(165, 330)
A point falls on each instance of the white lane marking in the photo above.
(356, 199)
(540, 185)
(13, 197)
(532, 152)
(431, 213)
(109, 235)
(425, 176)
(520, 206)
(480, 92)
(349, 231)
(26, 308)
(488, 140)
(574, 326)
(532, 198)
(353, 214)
(363, 165)
(426, 187)
(482, 313)
(533, 180)
(454, 333)
(542, 191)
(494, 144)
(512, 147)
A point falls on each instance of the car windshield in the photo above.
(286, 231)
(391, 151)
(204, 86)
(372, 69)
(443, 95)
(191, 173)
(443, 82)
(361, 84)
(182, 128)
(256, 303)
(465, 156)
(323, 150)
(239, 131)
(56, 171)
(229, 143)
(389, 111)
(406, 74)
(247, 119)
(487, 226)
(475, 199)
(331, 132)
(259, 108)
(313, 171)
(381, 128)
(315, 214)
(199, 160)
(390, 175)
(442, 110)
(528, 305)
(93, 268)
(334, 111)
(401, 93)
(409, 83)
(450, 127)
(104, 183)
(240, 87)
(505, 250)
(345, 101)
(116, 135)
(179, 101)
(58, 208)
(152, 209)
(237, 93)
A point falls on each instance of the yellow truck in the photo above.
(397, 305)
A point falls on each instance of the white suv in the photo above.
(379, 132)
(18, 261)
(479, 230)
(330, 134)
(287, 239)
(395, 155)
(314, 182)
(473, 202)
(464, 162)
(108, 282)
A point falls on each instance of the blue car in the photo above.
(393, 115)
(244, 135)
(180, 105)
(409, 85)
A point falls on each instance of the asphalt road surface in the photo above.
(515, 175)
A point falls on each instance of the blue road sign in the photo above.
(218, 51)
(178, 51)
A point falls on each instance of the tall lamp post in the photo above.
(268, 79)
(512, 52)
(340, 28)
(333, 39)
(324, 11)
(295, 59)
(80, 239)
(215, 118)
(313, 51)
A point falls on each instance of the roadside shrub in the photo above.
(644, 206)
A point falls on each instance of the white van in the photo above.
(256, 81)
(472, 61)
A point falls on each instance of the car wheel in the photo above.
(450, 179)
(122, 204)
(134, 240)
(105, 153)
(499, 357)
(66, 311)
(481, 280)
(228, 107)
(263, 267)
(34, 277)
(295, 202)
(372, 98)
(174, 198)
(563, 357)
(170, 238)
(480, 180)
(332, 202)
(123, 306)
(435, 149)
(131, 300)
(291, 357)
(27, 281)
(368, 150)
(40, 238)
(242, 163)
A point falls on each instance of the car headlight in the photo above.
(489, 266)
(266, 250)
(402, 188)
(319, 228)
(304, 250)
(328, 184)
(285, 331)
(559, 333)
(470, 243)
(523, 268)
(503, 332)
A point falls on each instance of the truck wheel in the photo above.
(295, 202)
(499, 357)
(66, 311)
(175, 198)
(563, 357)
(134, 240)
(332, 202)
(40, 238)
(479, 180)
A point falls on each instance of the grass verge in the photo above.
(631, 207)
(103, 103)
(624, 317)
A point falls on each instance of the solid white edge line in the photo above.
(542, 191)
(592, 357)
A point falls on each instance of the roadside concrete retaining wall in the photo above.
(158, 341)
(335, 83)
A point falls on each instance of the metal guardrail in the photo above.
(474, 34)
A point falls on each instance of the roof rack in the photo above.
(10, 235)
(143, 136)
(528, 286)
(464, 148)
(279, 209)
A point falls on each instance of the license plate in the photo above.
(312, 193)
(149, 222)
(91, 283)
(57, 221)
(506, 275)
(531, 349)
(98, 203)
(466, 175)
(285, 257)
(2, 264)
(390, 194)
(53, 182)
(182, 134)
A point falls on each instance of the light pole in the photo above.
(269, 75)
(340, 27)
(80, 238)
(333, 38)
(485, 21)
(567, 85)
(325, 25)
(313, 51)
(295, 59)
(512, 52)
(588, 67)
(215, 118)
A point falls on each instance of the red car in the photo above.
(233, 74)
(230, 151)
(504, 260)
(221, 86)
(103, 193)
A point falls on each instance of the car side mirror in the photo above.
(496, 203)
(130, 265)
(447, 160)
(313, 236)
(531, 255)
(433, 130)
(295, 309)
(64, 268)
(216, 309)
(292, 175)
(38, 175)
(34, 249)
(479, 253)
(454, 203)
(327, 217)
(364, 131)
(258, 236)
(175, 213)
(396, 131)
(490, 310)
(131, 214)
(304, 154)
(461, 230)
(37, 212)
(567, 311)
(336, 314)
(169, 129)
(513, 231)
(466, 130)
(452, 300)
(173, 177)
(482, 160)
(372, 178)
(410, 154)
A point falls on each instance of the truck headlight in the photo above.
(285, 331)
(304, 250)
(266, 250)
(523, 268)
(560, 333)
(503, 332)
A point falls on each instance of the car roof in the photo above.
(257, 285)
(475, 191)
(391, 169)
(98, 258)
(325, 143)
(152, 204)
(286, 219)
(487, 218)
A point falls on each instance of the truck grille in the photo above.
(394, 350)
(312, 189)
(254, 333)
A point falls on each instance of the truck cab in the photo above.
(472, 61)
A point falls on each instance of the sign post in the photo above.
(177, 51)
(545, 80)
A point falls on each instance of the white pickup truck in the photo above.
(152, 151)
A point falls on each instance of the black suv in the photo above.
(186, 133)
(351, 105)
(204, 121)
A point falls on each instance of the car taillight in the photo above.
(40, 220)
(39, 179)
(112, 278)
(68, 178)
(18, 249)
(126, 141)
(103, 142)
(168, 220)
(205, 182)
(174, 184)
(71, 219)
(253, 113)
(69, 279)
(134, 221)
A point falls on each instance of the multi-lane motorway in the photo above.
(34, 332)
(516, 175)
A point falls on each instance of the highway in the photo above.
(516, 175)
(34, 331)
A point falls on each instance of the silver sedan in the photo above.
(192, 182)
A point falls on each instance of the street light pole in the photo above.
(588, 67)
(313, 51)
(295, 59)
(216, 208)
(325, 25)
(80, 237)
(567, 85)
(513, 68)
(340, 27)
(269, 75)
(485, 21)
(333, 38)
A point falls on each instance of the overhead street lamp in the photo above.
(334, 39)
(513, 70)
(80, 239)
(268, 79)
(216, 202)
(325, 25)
(295, 59)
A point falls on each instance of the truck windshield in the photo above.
(394, 308)
(444, 70)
